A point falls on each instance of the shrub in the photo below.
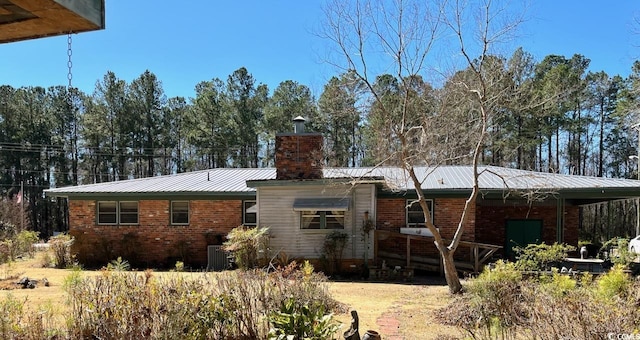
(17, 244)
(229, 305)
(298, 323)
(332, 248)
(119, 265)
(615, 283)
(498, 304)
(557, 284)
(541, 256)
(24, 241)
(618, 252)
(244, 243)
(61, 247)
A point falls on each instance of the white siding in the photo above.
(275, 210)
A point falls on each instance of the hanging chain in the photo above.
(69, 63)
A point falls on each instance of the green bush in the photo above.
(614, 283)
(541, 256)
(294, 322)
(17, 244)
(119, 265)
(557, 284)
(618, 252)
(245, 243)
(24, 241)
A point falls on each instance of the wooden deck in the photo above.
(479, 253)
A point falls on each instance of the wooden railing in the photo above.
(479, 253)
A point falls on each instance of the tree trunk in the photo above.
(450, 271)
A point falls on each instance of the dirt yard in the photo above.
(395, 310)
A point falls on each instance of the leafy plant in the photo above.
(618, 252)
(119, 265)
(541, 256)
(557, 284)
(24, 241)
(294, 322)
(244, 243)
(614, 283)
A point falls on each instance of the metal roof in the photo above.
(222, 180)
(437, 179)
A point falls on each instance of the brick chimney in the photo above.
(299, 154)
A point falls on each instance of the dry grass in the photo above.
(412, 305)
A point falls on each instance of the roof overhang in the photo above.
(31, 19)
(154, 195)
(322, 181)
(575, 196)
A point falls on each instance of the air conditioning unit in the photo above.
(218, 259)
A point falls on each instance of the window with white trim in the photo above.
(322, 219)
(117, 212)
(179, 212)
(249, 213)
(415, 215)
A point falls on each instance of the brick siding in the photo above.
(154, 241)
(485, 225)
(391, 215)
(491, 222)
(299, 156)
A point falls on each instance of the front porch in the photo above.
(477, 254)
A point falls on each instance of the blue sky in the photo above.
(184, 43)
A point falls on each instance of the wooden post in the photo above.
(408, 250)
(476, 264)
(375, 247)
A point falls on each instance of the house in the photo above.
(157, 221)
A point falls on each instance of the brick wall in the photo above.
(299, 156)
(485, 225)
(154, 241)
(491, 221)
(391, 215)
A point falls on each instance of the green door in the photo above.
(520, 233)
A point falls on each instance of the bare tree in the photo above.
(407, 35)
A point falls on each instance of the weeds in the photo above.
(61, 247)
(499, 304)
(127, 305)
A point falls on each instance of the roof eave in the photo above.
(320, 181)
(153, 195)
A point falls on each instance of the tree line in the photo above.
(556, 116)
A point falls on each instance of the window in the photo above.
(107, 213)
(128, 213)
(179, 212)
(415, 216)
(112, 212)
(249, 213)
(322, 219)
